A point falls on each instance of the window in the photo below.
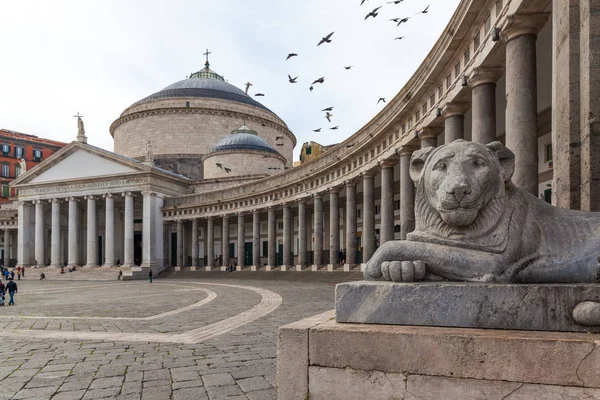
(17, 170)
(396, 204)
(19, 152)
(487, 25)
(457, 70)
(417, 116)
(5, 170)
(280, 224)
(410, 123)
(441, 91)
(476, 41)
(308, 151)
(377, 209)
(5, 149)
(548, 153)
(498, 8)
(467, 56)
(403, 129)
(448, 81)
(265, 249)
(232, 248)
(432, 100)
(384, 144)
(358, 213)
(548, 195)
(5, 191)
(424, 108)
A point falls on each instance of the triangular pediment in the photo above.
(79, 161)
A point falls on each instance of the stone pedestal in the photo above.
(322, 359)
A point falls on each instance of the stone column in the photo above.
(386, 231)
(241, 242)
(368, 211)
(483, 110)
(92, 232)
(73, 234)
(302, 235)
(179, 245)
(520, 36)
(6, 260)
(429, 136)
(210, 243)
(39, 231)
(318, 227)
(128, 230)
(334, 227)
(149, 231)
(24, 250)
(109, 230)
(350, 224)
(407, 193)
(255, 240)
(272, 238)
(287, 236)
(225, 241)
(195, 262)
(55, 236)
(454, 121)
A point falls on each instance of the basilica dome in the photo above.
(190, 118)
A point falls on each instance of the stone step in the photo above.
(306, 275)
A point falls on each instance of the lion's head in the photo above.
(458, 183)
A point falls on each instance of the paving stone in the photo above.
(218, 392)
(101, 393)
(222, 379)
(35, 393)
(270, 394)
(252, 384)
(197, 393)
(69, 395)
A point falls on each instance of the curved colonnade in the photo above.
(359, 194)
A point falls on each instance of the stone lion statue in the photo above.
(473, 224)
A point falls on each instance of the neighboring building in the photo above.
(13, 147)
(311, 150)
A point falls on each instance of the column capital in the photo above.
(90, 197)
(72, 199)
(148, 193)
(301, 200)
(368, 174)
(107, 195)
(405, 150)
(54, 200)
(179, 222)
(430, 132)
(483, 75)
(127, 194)
(451, 109)
(350, 182)
(37, 201)
(256, 211)
(241, 214)
(334, 189)
(388, 163)
(317, 195)
(516, 25)
(209, 218)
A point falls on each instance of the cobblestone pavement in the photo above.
(211, 338)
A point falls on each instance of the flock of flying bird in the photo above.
(328, 39)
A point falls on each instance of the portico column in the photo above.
(149, 231)
(520, 36)
(386, 231)
(92, 232)
(210, 243)
(179, 245)
(483, 111)
(24, 253)
(55, 234)
(225, 241)
(256, 239)
(334, 226)
(241, 242)
(73, 234)
(109, 230)
(407, 193)
(302, 235)
(128, 230)
(39, 231)
(318, 227)
(350, 223)
(194, 244)
(429, 136)
(454, 121)
(368, 213)
(272, 238)
(287, 236)
(6, 260)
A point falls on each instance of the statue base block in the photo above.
(322, 359)
(539, 307)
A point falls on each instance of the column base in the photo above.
(54, 266)
(330, 267)
(193, 268)
(314, 268)
(253, 268)
(177, 268)
(223, 268)
(208, 268)
(89, 265)
(129, 265)
(108, 265)
(283, 268)
(268, 268)
(363, 266)
(238, 267)
(298, 268)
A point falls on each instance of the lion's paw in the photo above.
(403, 271)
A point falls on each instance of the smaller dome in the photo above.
(243, 138)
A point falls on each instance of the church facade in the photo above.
(202, 175)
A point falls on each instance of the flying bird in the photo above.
(425, 11)
(311, 88)
(328, 109)
(403, 20)
(373, 13)
(259, 94)
(326, 39)
(395, 1)
(399, 38)
(292, 80)
(248, 84)
(349, 67)
(228, 170)
(317, 130)
(380, 100)
(219, 165)
(320, 80)
(363, 2)
(328, 115)
(334, 128)
(291, 55)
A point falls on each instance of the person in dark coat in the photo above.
(11, 287)
(150, 275)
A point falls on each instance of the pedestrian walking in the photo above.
(11, 287)
(120, 275)
(23, 272)
(2, 291)
(18, 275)
(150, 275)
(12, 274)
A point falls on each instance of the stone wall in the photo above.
(189, 166)
(242, 163)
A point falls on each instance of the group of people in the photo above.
(11, 288)
(10, 273)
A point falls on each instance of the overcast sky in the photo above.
(60, 57)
